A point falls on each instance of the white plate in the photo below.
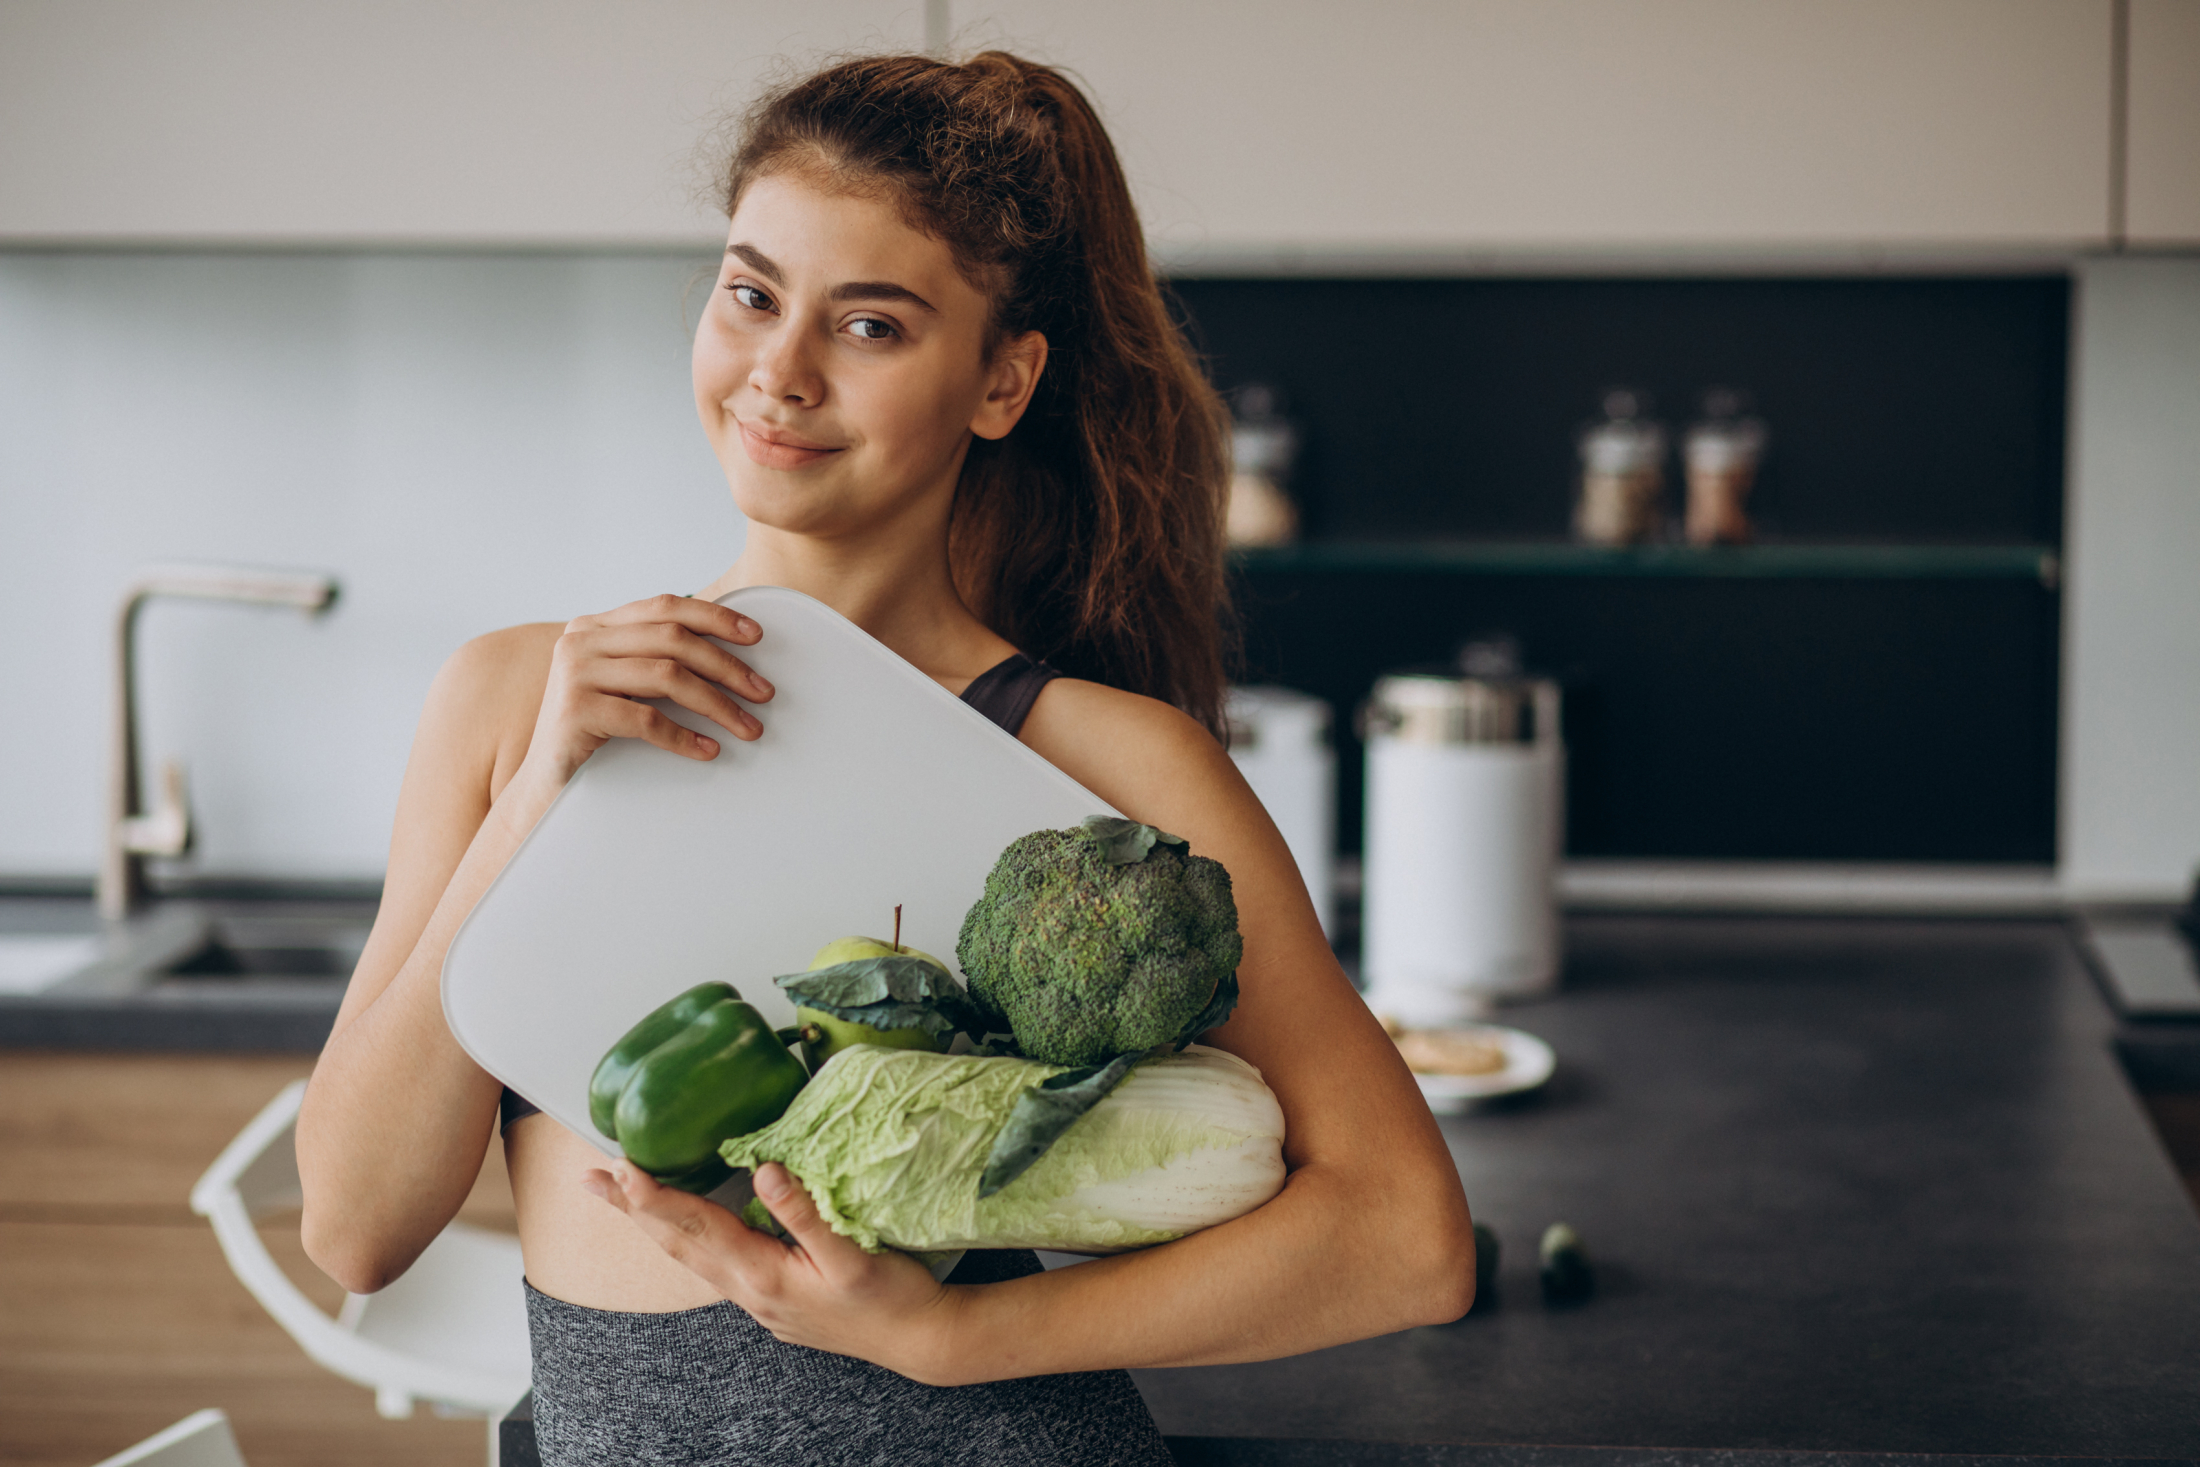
(1528, 1063)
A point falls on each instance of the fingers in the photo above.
(700, 655)
(701, 1236)
(658, 648)
(613, 717)
(795, 1212)
(662, 677)
(706, 618)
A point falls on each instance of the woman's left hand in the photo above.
(818, 1289)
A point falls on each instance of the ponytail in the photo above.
(1091, 535)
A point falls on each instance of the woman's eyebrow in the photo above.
(854, 290)
(878, 290)
(758, 261)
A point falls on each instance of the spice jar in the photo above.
(1263, 446)
(1622, 474)
(1721, 452)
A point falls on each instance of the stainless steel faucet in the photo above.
(131, 834)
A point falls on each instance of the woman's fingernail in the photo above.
(771, 1182)
(763, 688)
(750, 628)
(706, 744)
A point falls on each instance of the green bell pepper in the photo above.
(697, 1071)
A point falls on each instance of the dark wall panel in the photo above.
(1900, 409)
(1797, 720)
(1801, 719)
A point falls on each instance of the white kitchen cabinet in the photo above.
(2130, 823)
(414, 121)
(2162, 198)
(1291, 130)
(1260, 135)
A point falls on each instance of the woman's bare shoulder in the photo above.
(1141, 755)
(481, 710)
(513, 660)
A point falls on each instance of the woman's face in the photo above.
(840, 367)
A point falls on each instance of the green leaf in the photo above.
(892, 976)
(890, 1015)
(894, 991)
(1124, 842)
(1043, 1113)
(1211, 1017)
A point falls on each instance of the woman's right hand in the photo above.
(604, 666)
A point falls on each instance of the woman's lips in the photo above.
(780, 450)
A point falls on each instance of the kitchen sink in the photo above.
(311, 949)
(180, 974)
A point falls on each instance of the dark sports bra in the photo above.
(1004, 693)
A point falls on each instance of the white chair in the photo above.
(201, 1439)
(452, 1331)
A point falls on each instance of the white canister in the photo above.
(1280, 740)
(1465, 814)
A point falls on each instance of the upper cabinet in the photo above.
(569, 122)
(1448, 126)
(2162, 192)
(1259, 133)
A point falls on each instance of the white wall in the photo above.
(2131, 664)
(466, 441)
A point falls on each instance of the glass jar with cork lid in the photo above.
(1622, 474)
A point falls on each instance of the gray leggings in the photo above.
(709, 1386)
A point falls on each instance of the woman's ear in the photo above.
(1014, 377)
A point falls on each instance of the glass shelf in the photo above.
(2042, 563)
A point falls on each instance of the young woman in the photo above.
(950, 402)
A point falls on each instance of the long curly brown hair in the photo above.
(1091, 535)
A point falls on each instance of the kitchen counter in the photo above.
(208, 973)
(1852, 1186)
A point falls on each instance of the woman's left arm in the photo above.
(1370, 1234)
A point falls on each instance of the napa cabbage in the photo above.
(891, 1144)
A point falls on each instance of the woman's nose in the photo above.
(785, 370)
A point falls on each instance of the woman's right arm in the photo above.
(398, 1117)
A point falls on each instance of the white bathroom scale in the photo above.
(872, 785)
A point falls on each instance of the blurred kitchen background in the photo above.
(283, 285)
(279, 281)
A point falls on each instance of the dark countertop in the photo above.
(1854, 1186)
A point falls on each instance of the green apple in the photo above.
(856, 949)
(824, 1035)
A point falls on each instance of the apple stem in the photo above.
(897, 927)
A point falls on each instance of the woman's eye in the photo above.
(750, 296)
(867, 328)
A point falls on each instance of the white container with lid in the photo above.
(1280, 740)
(1465, 820)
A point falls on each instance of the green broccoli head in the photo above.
(1099, 941)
